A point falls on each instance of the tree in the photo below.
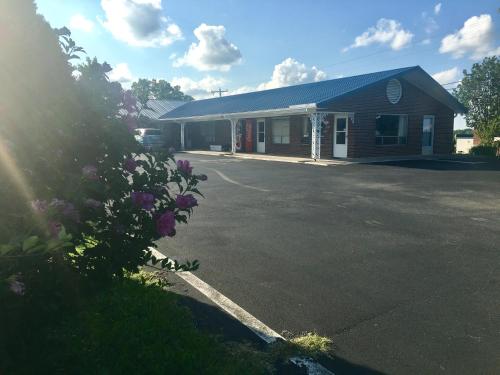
(479, 91)
(145, 89)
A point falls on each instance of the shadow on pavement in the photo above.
(213, 320)
(340, 366)
(445, 164)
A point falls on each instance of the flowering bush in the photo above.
(77, 189)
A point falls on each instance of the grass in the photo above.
(132, 327)
(136, 327)
(307, 345)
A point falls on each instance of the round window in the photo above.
(394, 91)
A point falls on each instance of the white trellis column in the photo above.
(316, 122)
(234, 122)
(183, 141)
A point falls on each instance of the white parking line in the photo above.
(225, 178)
(260, 329)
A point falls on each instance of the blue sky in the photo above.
(248, 45)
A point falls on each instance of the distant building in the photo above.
(464, 143)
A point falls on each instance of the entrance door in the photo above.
(261, 136)
(340, 137)
(428, 135)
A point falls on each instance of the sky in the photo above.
(243, 46)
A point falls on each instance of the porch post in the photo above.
(182, 136)
(316, 122)
(234, 122)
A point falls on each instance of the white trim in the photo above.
(262, 120)
(260, 329)
(334, 140)
(254, 114)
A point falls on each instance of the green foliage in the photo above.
(463, 132)
(76, 186)
(145, 89)
(490, 150)
(479, 91)
(308, 345)
(133, 327)
(68, 45)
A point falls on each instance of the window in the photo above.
(391, 129)
(281, 130)
(306, 130)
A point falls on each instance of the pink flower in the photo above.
(130, 165)
(90, 172)
(184, 167)
(165, 224)
(143, 200)
(66, 209)
(54, 228)
(16, 286)
(185, 202)
(39, 206)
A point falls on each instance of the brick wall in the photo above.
(415, 103)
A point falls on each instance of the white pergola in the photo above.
(315, 114)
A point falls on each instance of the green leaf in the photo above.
(30, 242)
(5, 249)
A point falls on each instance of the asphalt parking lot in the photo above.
(398, 262)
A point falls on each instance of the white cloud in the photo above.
(437, 8)
(79, 22)
(198, 89)
(212, 52)
(476, 38)
(447, 76)
(426, 42)
(386, 31)
(242, 90)
(430, 24)
(291, 72)
(139, 23)
(121, 73)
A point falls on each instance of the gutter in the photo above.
(291, 110)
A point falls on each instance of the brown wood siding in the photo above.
(415, 103)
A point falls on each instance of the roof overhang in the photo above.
(289, 111)
(433, 88)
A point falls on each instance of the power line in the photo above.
(450, 83)
(380, 50)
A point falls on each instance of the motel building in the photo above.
(390, 113)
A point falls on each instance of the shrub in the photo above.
(490, 150)
(76, 187)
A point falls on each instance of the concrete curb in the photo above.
(265, 333)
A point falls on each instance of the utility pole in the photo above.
(219, 91)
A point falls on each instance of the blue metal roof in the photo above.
(155, 108)
(319, 93)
